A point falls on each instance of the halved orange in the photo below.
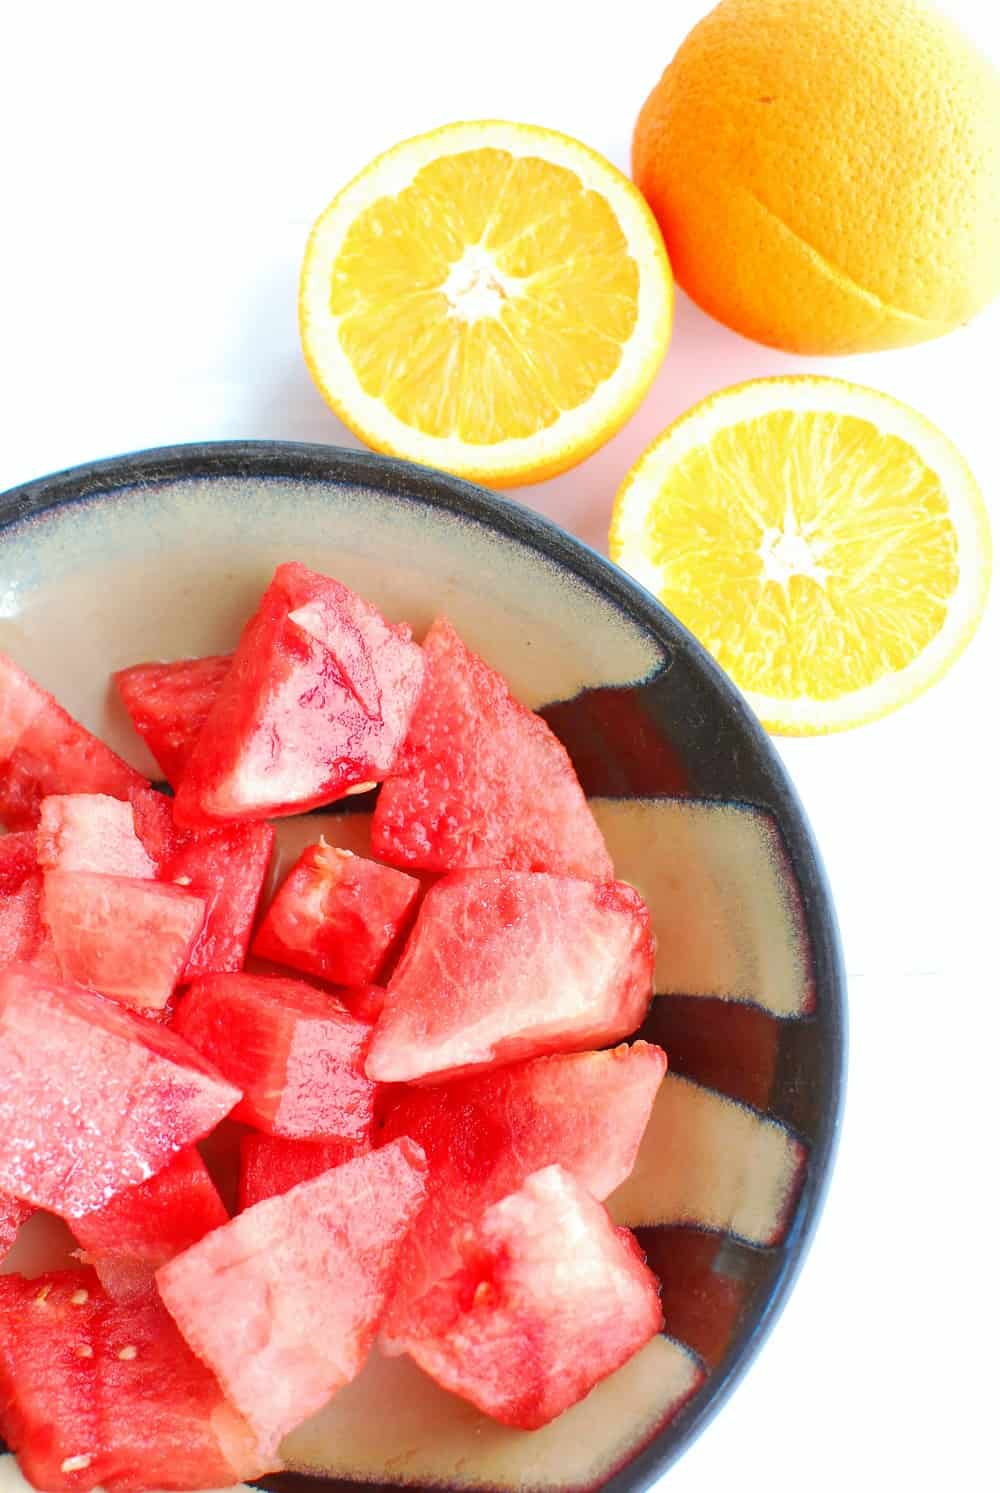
(493, 299)
(826, 543)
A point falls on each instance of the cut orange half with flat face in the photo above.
(493, 299)
(827, 544)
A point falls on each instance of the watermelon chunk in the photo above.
(226, 868)
(316, 703)
(90, 832)
(153, 813)
(44, 750)
(336, 915)
(12, 1214)
(483, 1136)
(271, 1165)
(126, 938)
(96, 1393)
(23, 935)
(254, 1298)
(48, 1404)
(482, 781)
(92, 1098)
(168, 704)
(296, 1053)
(164, 1420)
(142, 1228)
(504, 965)
(550, 1300)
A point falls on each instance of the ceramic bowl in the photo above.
(162, 554)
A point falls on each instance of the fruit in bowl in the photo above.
(439, 1127)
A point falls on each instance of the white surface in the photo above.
(161, 169)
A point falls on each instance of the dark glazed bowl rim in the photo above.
(298, 461)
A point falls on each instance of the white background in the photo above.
(160, 169)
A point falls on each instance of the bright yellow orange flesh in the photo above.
(493, 299)
(827, 545)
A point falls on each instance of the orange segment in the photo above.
(491, 298)
(827, 545)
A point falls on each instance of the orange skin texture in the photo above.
(826, 173)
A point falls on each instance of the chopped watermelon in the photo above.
(316, 703)
(164, 1419)
(48, 1404)
(168, 704)
(127, 939)
(23, 935)
(336, 915)
(44, 750)
(226, 868)
(504, 965)
(96, 1393)
(92, 1098)
(296, 1053)
(90, 832)
(483, 1136)
(254, 1298)
(271, 1165)
(482, 781)
(550, 1299)
(12, 1214)
(142, 1228)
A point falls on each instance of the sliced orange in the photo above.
(493, 299)
(826, 543)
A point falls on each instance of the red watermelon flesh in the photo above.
(18, 861)
(336, 915)
(380, 662)
(168, 704)
(271, 1165)
(90, 832)
(483, 1136)
(295, 1051)
(164, 1418)
(226, 868)
(23, 935)
(44, 750)
(506, 965)
(127, 939)
(254, 1298)
(298, 721)
(12, 1214)
(153, 813)
(48, 1400)
(97, 1393)
(148, 1095)
(482, 781)
(551, 1299)
(364, 1001)
(142, 1228)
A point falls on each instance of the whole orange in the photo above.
(826, 173)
